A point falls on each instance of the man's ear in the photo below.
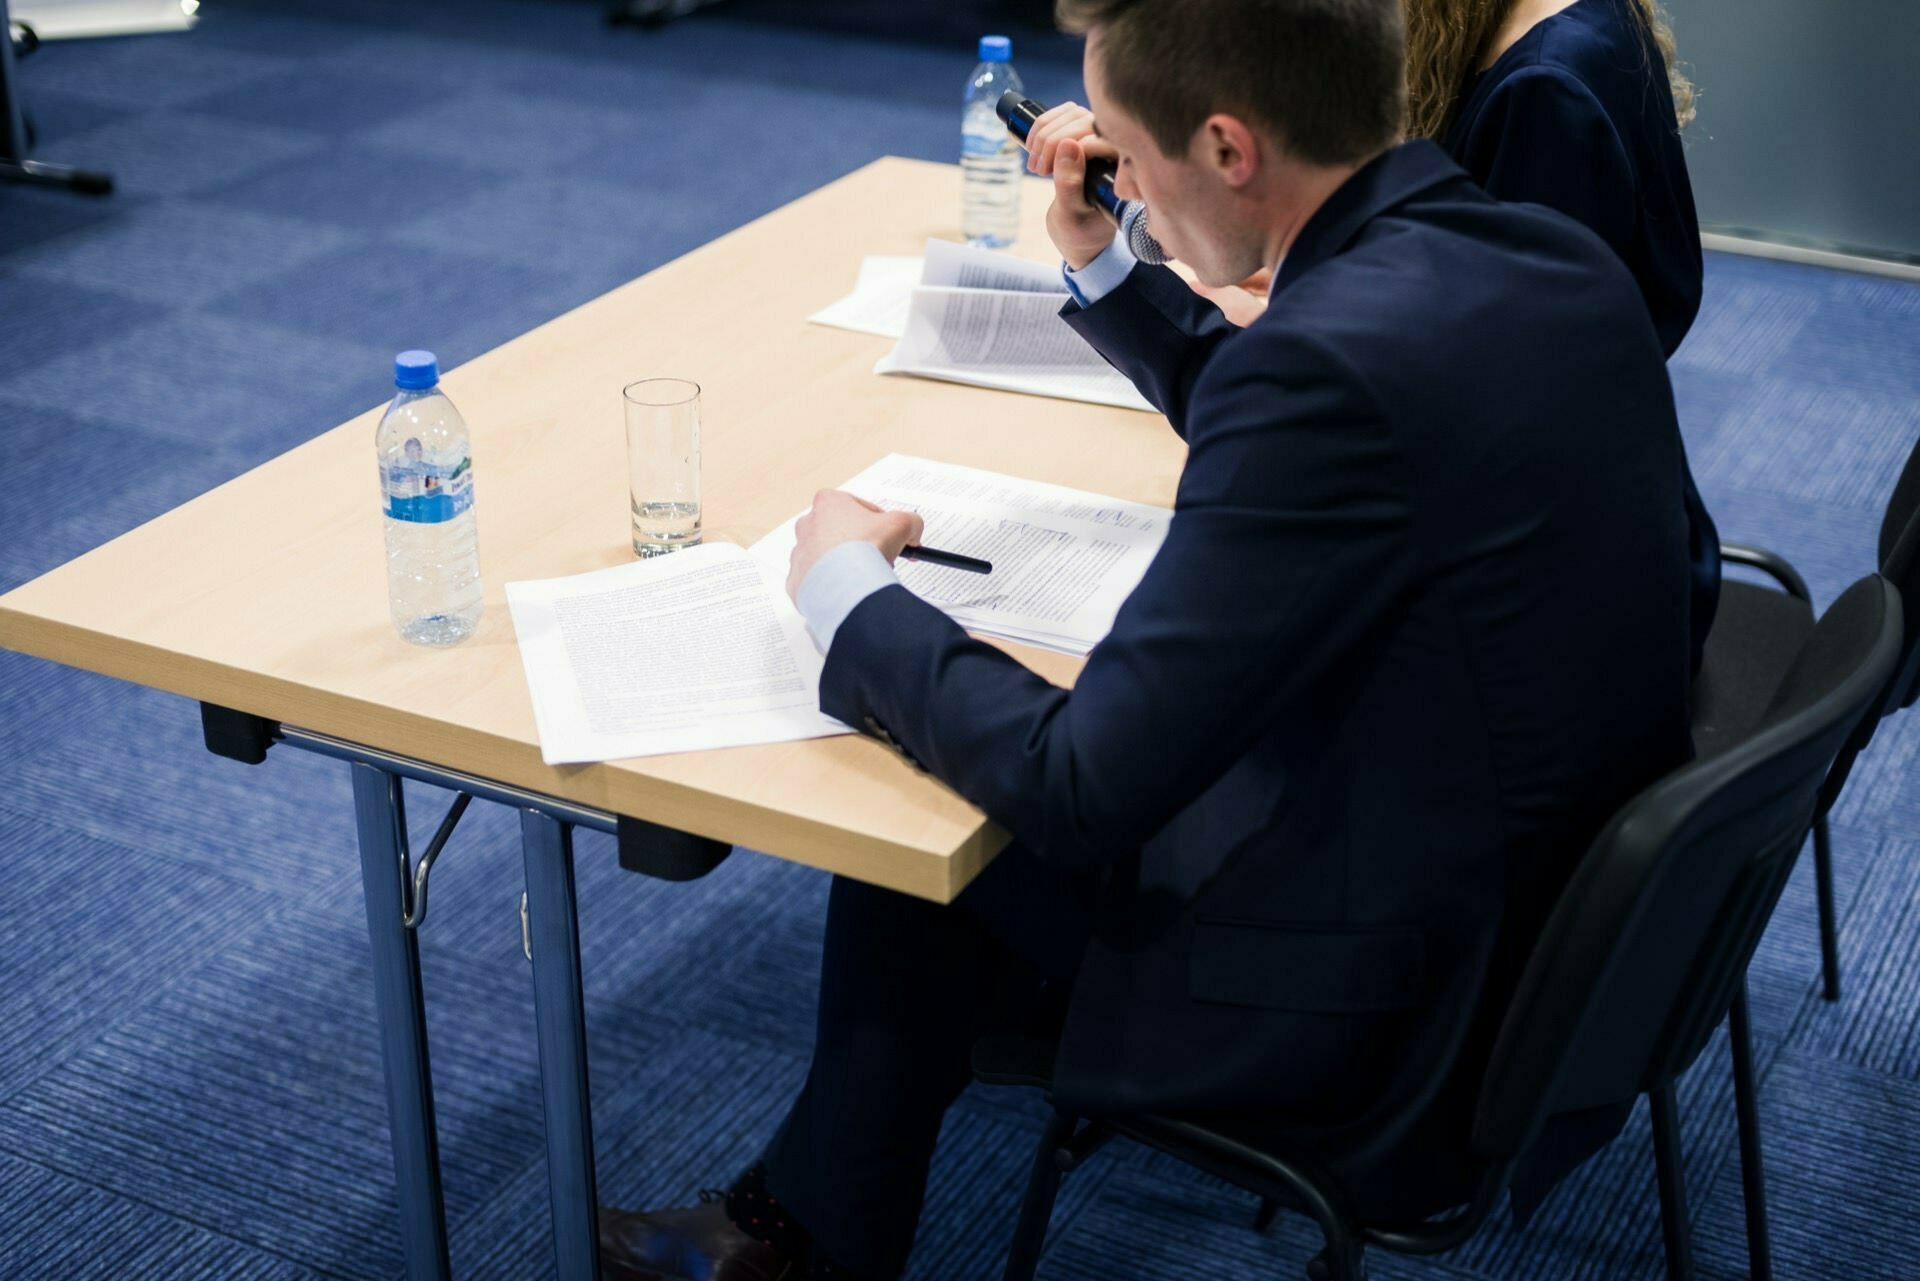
(1229, 148)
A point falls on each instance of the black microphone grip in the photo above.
(1019, 114)
(1130, 216)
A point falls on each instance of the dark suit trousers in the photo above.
(906, 987)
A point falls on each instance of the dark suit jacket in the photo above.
(1578, 116)
(1418, 626)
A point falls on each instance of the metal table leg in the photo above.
(394, 907)
(380, 814)
(560, 1021)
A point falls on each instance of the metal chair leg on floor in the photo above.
(1829, 927)
(1344, 1260)
(14, 165)
(1023, 1254)
(1752, 1176)
(1673, 1189)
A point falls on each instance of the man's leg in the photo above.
(906, 987)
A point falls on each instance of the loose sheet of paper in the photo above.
(1063, 559)
(1008, 339)
(685, 652)
(880, 299)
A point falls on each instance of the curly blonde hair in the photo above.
(1446, 40)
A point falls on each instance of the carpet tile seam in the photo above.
(169, 1215)
(94, 418)
(14, 1090)
(1815, 1004)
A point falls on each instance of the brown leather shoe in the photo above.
(696, 1243)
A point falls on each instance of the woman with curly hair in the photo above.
(1572, 104)
(1577, 105)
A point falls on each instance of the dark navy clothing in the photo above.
(1418, 627)
(1578, 116)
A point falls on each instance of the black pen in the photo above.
(952, 560)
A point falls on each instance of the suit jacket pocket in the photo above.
(1314, 969)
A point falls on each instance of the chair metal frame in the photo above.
(1068, 1143)
(1900, 562)
(14, 164)
(1797, 751)
(1782, 572)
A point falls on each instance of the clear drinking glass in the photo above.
(663, 464)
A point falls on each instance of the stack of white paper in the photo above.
(1063, 559)
(981, 318)
(676, 654)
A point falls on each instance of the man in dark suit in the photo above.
(1419, 625)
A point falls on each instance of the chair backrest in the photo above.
(1640, 958)
(1902, 506)
(1899, 565)
(1900, 562)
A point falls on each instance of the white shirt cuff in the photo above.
(1101, 276)
(838, 581)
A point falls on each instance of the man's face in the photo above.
(1191, 207)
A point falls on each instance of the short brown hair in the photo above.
(1325, 76)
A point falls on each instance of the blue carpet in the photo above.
(189, 1080)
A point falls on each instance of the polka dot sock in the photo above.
(759, 1214)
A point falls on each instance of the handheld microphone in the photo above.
(1129, 215)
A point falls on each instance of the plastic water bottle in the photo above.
(426, 482)
(990, 160)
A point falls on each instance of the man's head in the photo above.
(1226, 112)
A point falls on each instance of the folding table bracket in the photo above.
(238, 736)
(653, 850)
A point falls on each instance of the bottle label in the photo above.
(421, 491)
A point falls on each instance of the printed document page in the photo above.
(1009, 339)
(979, 317)
(681, 653)
(958, 266)
(883, 293)
(1063, 559)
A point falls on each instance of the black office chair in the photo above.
(1756, 634)
(1645, 951)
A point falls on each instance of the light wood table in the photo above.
(267, 598)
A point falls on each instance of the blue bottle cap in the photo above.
(996, 49)
(415, 370)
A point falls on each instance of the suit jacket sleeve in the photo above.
(1286, 553)
(1156, 331)
(1544, 139)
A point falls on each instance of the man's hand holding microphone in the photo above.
(1078, 228)
(1059, 143)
